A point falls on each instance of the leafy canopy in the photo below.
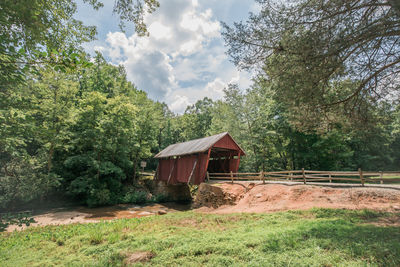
(323, 56)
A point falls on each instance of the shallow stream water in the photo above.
(87, 215)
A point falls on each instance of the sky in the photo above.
(184, 58)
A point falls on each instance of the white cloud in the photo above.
(195, 22)
(182, 60)
(215, 89)
(159, 31)
(179, 103)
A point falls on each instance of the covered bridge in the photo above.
(188, 162)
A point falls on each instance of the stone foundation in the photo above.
(176, 193)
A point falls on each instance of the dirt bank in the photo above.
(86, 215)
(240, 197)
(258, 197)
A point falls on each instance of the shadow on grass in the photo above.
(343, 231)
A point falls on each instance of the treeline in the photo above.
(273, 141)
(75, 126)
(83, 133)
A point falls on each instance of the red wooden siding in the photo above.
(218, 158)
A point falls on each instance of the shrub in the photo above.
(160, 198)
(98, 197)
(136, 197)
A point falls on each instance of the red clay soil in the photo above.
(251, 197)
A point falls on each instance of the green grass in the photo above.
(386, 177)
(318, 237)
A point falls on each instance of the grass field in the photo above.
(318, 237)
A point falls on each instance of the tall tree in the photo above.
(310, 48)
(34, 33)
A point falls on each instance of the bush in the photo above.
(98, 197)
(136, 197)
(160, 198)
(24, 181)
(141, 197)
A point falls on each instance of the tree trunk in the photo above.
(50, 157)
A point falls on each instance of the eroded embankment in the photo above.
(258, 197)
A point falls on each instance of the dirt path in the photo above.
(270, 197)
(86, 215)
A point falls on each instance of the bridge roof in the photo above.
(194, 146)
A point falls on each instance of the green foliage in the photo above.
(310, 49)
(85, 138)
(37, 32)
(135, 197)
(316, 237)
(264, 128)
(74, 125)
(160, 198)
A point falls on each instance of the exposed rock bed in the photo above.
(214, 196)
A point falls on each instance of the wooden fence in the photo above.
(310, 176)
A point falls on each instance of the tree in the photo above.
(116, 127)
(34, 33)
(35, 126)
(310, 49)
(196, 120)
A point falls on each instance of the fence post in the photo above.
(330, 178)
(291, 174)
(361, 176)
(304, 175)
(381, 176)
(208, 177)
(262, 176)
(232, 176)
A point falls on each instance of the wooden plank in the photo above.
(208, 161)
(318, 179)
(278, 172)
(334, 173)
(235, 173)
(345, 179)
(318, 174)
(191, 173)
(279, 175)
(275, 179)
(170, 173)
(344, 174)
(238, 162)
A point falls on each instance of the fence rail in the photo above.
(310, 176)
